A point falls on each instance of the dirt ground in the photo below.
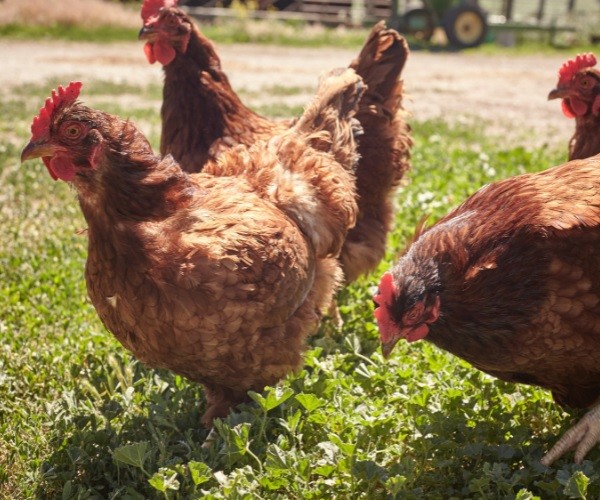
(509, 93)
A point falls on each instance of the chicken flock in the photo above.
(218, 258)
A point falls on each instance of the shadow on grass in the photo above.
(160, 409)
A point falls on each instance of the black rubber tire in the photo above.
(418, 23)
(465, 26)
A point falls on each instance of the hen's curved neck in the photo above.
(487, 294)
(200, 55)
(586, 140)
(130, 183)
(198, 104)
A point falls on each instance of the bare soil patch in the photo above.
(88, 13)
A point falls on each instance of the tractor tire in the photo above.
(418, 23)
(465, 26)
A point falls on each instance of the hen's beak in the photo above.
(147, 33)
(558, 93)
(37, 150)
(388, 347)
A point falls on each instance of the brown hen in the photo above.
(579, 88)
(510, 282)
(202, 116)
(217, 276)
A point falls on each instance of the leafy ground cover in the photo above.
(80, 418)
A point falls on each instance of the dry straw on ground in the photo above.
(86, 13)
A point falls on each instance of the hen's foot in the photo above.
(334, 313)
(582, 437)
(210, 439)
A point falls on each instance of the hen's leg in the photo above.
(582, 437)
(334, 313)
(219, 402)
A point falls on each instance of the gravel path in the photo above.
(509, 93)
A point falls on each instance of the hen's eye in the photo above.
(412, 315)
(72, 131)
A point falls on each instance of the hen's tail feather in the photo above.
(329, 120)
(380, 64)
(384, 148)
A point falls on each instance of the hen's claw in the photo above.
(582, 437)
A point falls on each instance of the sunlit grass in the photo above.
(80, 418)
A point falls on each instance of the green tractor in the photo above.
(463, 21)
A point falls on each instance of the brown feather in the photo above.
(384, 148)
(203, 117)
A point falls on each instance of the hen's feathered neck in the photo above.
(130, 181)
(200, 54)
(586, 140)
(199, 105)
(471, 283)
(195, 72)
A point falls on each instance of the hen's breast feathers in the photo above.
(208, 283)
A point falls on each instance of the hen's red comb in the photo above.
(151, 8)
(60, 97)
(572, 66)
(387, 289)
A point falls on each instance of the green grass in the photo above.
(536, 45)
(80, 418)
(282, 33)
(112, 21)
(60, 31)
(228, 31)
(286, 33)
